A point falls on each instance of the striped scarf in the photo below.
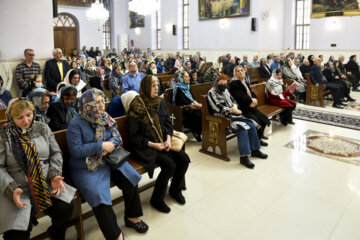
(37, 183)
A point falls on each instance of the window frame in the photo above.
(186, 43)
(304, 43)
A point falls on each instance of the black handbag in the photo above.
(117, 157)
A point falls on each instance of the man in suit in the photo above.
(317, 78)
(264, 70)
(55, 70)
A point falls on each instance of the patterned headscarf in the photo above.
(184, 87)
(26, 155)
(90, 112)
(2, 90)
(138, 111)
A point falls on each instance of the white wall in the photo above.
(119, 15)
(22, 26)
(343, 31)
(169, 17)
(90, 34)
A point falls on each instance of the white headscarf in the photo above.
(81, 84)
(127, 99)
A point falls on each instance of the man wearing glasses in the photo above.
(25, 69)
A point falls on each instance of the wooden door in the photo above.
(65, 33)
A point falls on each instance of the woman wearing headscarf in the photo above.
(5, 95)
(63, 110)
(152, 70)
(88, 72)
(36, 81)
(41, 99)
(278, 97)
(333, 76)
(311, 59)
(201, 69)
(115, 80)
(241, 91)
(187, 66)
(73, 78)
(223, 104)
(353, 67)
(31, 175)
(193, 77)
(182, 96)
(160, 66)
(151, 143)
(289, 73)
(210, 75)
(91, 135)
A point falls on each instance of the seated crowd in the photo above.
(68, 95)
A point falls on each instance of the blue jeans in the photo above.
(248, 140)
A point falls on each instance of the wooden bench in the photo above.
(176, 112)
(79, 216)
(255, 75)
(315, 93)
(215, 130)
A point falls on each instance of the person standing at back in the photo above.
(26, 69)
(55, 70)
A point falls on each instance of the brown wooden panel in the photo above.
(71, 40)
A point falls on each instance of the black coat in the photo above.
(304, 69)
(139, 136)
(330, 76)
(52, 73)
(316, 75)
(264, 71)
(352, 67)
(239, 93)
(229, 70)
(169, 63)
(57, 114)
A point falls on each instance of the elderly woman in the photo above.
(223, 104)
(246, 98)
(115, 80)
(63, 110)
(41, 99)
(290, 74)
(151, 143)
(5, 95)
(91, 135)
(278, 97)
(182, 96)
(73, 78)
(88, 72)
(30, 175)
(211, 75)
(201, 69)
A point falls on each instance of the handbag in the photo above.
(178, 140)
(117, 157)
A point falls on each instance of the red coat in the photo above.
(277, 101)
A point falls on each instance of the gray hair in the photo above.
(54, 51)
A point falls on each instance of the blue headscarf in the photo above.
(184, 87)
(70, 110)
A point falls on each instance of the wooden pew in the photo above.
(164, 73)
(3, 114)
(315, 93)
(175, 112)
(78, 215)
(255, 75)
(215, 130)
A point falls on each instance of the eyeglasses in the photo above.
(31, 55)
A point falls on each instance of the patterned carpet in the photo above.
(327, 117)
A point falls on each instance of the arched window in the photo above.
(64, 20)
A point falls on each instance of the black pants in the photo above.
(60, 213)
(105, 215)
(337, 90)
(172, 164)
(193, 120)
(354, 78)
(287, 114)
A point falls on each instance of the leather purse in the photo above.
(178, 140)
(117, 157)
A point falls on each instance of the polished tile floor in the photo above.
(291, 195)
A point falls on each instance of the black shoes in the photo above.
(246, 162)
(337, 106)
(262, 143)
(160, 206)
(178, 197)
(350, 99)
(140, 227)
(259, 154)
(197, 136)
(356, 90)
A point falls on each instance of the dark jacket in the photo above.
(330, 76)
(139, 136)
(315, 75)
(169, 63)
(116, 108)
(239, 93)
(229, 70)
(352, 67)
(304, 69)
(52, 73)
(57, 114)
(6, 97)
(264, 71)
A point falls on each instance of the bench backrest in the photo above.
(165, 78)
(2, 114)
(259, 90)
